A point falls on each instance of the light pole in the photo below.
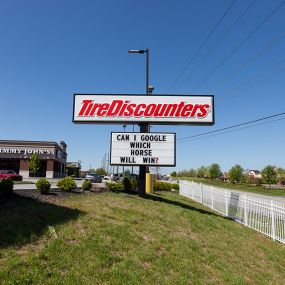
(143, 126)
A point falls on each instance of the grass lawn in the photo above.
(239, 186)
(115, 238)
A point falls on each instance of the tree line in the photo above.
(236, 174)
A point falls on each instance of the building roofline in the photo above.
(52, 143)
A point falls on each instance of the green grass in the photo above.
(238, 186)
(115, 238)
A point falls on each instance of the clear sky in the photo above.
(52, 49)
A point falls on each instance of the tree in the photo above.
(269, 175)
(192, 172)
(214, 171)
(202, 172)
(35, 163)
(235, 174)
(280, 170)
(187, 173)
(173, 174)
(100, 171)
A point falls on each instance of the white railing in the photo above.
(261, 214)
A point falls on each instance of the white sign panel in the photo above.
(154, 109)
(154, 149)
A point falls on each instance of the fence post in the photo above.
(245, 209)
(201, 188)
(226, 204)
(272, 221)
(212, 199)
(192, 191)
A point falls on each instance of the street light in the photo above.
(144, 126)
(142, 51)
(137, 51)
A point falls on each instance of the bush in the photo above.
(115, 187)
(134, 185)
(127, 184)
(86, 185)
(161, 186)
(66, 184)
(175, 186)
(43, 186)
(6, 186)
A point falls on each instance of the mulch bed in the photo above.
(55, 194)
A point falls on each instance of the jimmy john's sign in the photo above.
(24, 151)
(154, 149)
(153, 109)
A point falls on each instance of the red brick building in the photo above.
(15, 155)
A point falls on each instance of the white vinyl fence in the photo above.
(261, 214)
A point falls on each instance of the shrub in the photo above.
(115, 187)
(66, 184)
(43, 186)
(134, 184)
(6, 186)
(175, 186)
(86, 185)
(161, 186)
(127, 184)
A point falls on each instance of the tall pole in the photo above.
(144, 129)
(132, 165)
(124, 126)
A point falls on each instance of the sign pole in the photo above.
(144, 128)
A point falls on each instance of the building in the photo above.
(15, 155)
(254, 173)
(73, 169)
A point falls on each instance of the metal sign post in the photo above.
(144, 128)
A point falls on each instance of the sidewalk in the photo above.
(32, 186)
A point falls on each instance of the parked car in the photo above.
(93, 177)
(10, 174)
(107, 178)
(117, 177)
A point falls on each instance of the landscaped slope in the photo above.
(114, 238)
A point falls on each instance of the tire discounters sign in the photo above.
(153, 109)
(154, 149)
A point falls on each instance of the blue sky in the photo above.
(52, 49)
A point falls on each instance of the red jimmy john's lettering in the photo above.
(121, 108)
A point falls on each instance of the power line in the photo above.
(201, 46)
(253, 58)
(233, 126)
(264, 123)
(220, 40)
(232, 93)
(239, 46)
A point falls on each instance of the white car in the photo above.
(106, 179)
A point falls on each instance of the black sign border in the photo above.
(143, 122)
(160, 165)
